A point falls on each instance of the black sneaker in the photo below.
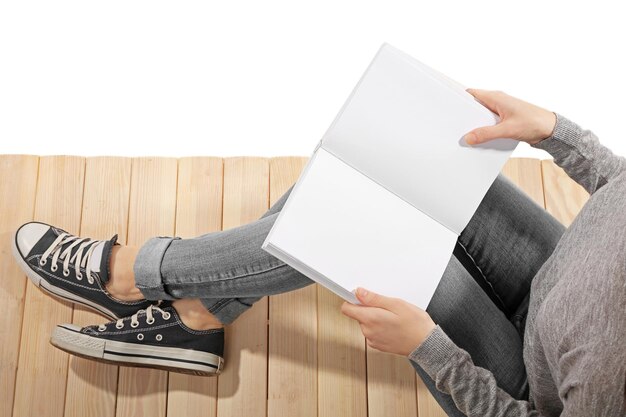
(70, 267)
(153, 338)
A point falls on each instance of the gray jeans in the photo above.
(481, 301)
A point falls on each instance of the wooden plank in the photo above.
(242, 385)
(143, 391)
(42, 370)
(391, 387)
(18, 185)
(91, 385)
(564, 196)
(526, 174)
(427, 406)
(342, 384)
(198, 211)
(292, 372)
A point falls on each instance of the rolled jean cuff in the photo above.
(147, 268)
(226, 309)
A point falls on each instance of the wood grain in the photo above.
(18, 185)
(526, 174)
(427, 406)
(198, 211)
(391, 388)
(42, 370)
(242, 386)
(342, 382)
(564, 196)
(92, 386)
(142, 391)
(292, 373)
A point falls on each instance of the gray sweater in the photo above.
(575, 335)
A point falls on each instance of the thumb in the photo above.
(373, 299)
(486, 133)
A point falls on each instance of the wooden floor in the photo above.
(292, 355)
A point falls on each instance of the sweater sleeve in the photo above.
(583, 158)
(474, 389)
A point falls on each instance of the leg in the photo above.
(505, 243)
(481, 301)
(121, 282)
(475, 324)
(229, 265)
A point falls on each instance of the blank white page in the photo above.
(352, 231)
(403, 127)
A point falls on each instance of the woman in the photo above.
(528, 318)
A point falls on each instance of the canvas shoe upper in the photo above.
(70, 267)
(154, 337)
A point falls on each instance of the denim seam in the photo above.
(481, 273)
(237, 276)
(220, 304)
(158, 288)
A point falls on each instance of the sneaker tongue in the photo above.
(99, 261)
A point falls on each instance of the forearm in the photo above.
(474, 389)
(581, 155)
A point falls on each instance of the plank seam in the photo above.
(167, 377)
(543, 185)
(19, 340)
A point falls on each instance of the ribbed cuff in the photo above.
(435, 352)
(565, 131)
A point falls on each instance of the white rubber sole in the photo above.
(67, 337)
(52, 290)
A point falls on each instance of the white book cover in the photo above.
(391, 184)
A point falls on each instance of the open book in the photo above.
(391, 184)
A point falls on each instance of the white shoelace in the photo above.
(81, 260)
(134, 319)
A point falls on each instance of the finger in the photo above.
(363, 314)
(351, 310)
(373, 299)
(488, 98)
(487, 133)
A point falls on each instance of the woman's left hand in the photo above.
(389, 324)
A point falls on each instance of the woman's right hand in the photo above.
(518, 119)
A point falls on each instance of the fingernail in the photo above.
(362, 292)
(470, 138)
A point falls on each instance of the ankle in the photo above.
(121, 283)
(195, 315)
(124, 294)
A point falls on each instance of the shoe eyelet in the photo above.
(54, 268)
(134, 324)
(159, 337)
(79, 276)
(140, 336)
(166, 316)
(102, 327)
(118, 326)
(150, 321)
(66, 272)
(43, 261)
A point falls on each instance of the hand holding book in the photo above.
(391, 184)
(389, 324)
(393, 325)
(519, 119)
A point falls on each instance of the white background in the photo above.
(230, 78)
